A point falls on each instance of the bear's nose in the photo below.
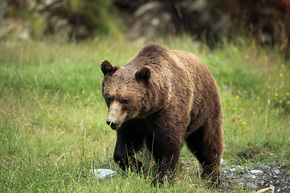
(112, 123)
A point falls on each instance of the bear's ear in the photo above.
(143, 74)
(107, 68)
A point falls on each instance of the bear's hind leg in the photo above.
(207, 145)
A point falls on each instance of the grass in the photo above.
(52, 115)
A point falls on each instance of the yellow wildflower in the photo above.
(216, 57)
(274, 110)
(287, 93)
(234, 109)
(244, 123)
(281, 75)
(276, 94)
(237, 97)
(66, 60)
(288, 102)
(280, 101)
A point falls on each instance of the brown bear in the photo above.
(162, 98)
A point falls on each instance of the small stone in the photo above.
(252, 176)
(233, 170)
(251, 185)
(277, 172)
(256, 171)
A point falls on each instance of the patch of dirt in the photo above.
(255, 178)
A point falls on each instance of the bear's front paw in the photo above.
(154, 182)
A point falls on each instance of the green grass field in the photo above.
(52, 114)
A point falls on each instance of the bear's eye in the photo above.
(110, 99)
(124, 101)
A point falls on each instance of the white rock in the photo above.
(256, 171)
(103, 173)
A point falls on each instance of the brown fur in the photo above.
(162, 98)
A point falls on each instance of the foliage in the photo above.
(75, 18)
(98, 15)
(52, 115)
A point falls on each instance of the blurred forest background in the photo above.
(268, 21)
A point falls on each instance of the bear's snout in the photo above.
(112, 123)
(116, 115)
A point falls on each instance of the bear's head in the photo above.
(125, 92)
